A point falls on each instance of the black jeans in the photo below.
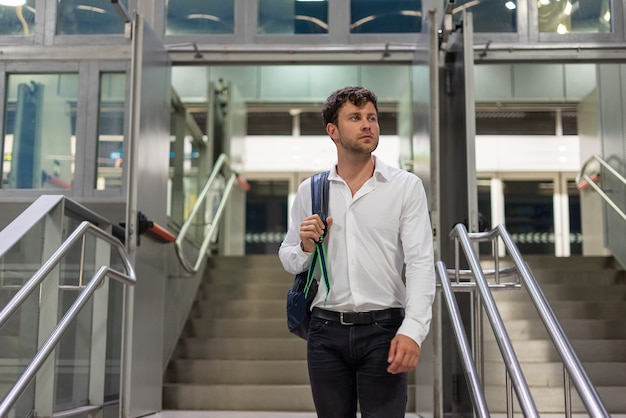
(348, 363)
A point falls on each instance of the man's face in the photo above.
(357, 130)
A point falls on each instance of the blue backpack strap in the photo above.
(319, 194)
(319, 199)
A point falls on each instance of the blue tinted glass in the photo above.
(39, 139)
(583, 16)
(499, 16)
(189, 17)
(18, 20)
(110, 151)
(293, 16)
(88, 17)
(385, 16)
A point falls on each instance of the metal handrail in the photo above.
(194, 267)
(582, 175)
(49, 345)
(471, 374)
(52, 262)
(572, 366)
(514, 370)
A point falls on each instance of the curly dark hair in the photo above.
(358, 96)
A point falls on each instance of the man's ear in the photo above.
(331, 130)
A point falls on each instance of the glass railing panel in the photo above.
(115, 325)
(19, 335)
(73, 354)
(73, 351)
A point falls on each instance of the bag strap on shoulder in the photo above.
(319, 194)
(319, 200)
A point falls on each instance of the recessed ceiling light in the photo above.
(510, 5)
(13, 3)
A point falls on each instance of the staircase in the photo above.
(236, 352)
(588, 296)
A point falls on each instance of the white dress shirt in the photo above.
(374, 233)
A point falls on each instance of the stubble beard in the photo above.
(358, 148)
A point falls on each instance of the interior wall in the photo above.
(590, 201)
(612, 108)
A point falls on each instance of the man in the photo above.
(378, 224)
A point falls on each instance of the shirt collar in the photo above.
(381, 170)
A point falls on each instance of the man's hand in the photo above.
(404, 353)
(311, 229)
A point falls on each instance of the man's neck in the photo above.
(356, 171)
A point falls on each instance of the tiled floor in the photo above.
(234, 414)
(254, 414)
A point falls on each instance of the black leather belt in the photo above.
(358, 318)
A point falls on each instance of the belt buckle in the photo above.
(342, 322)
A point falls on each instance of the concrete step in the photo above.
(261, 397)
(244, 262)
(598, 350)
(244, 290)
(238, 327)
(550, 374)
(290, 348)
(564, 310)
(574, 291)
(532, 329)
(565, 264)
(551, 400)
(239, 308)
(245, 397)
(238, 372)
(253, 275)
(580, 277)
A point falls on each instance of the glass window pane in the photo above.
(516, 122)
(490, 16)
(39, 105)
(292, 17)
(385, 16)
(575, 219)
(110, 131)
(529, 215)
(89, 17)
(18, 20)
(266, 215)
(193, 17)
(567, 16)
(271, 123)
(570, 123)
